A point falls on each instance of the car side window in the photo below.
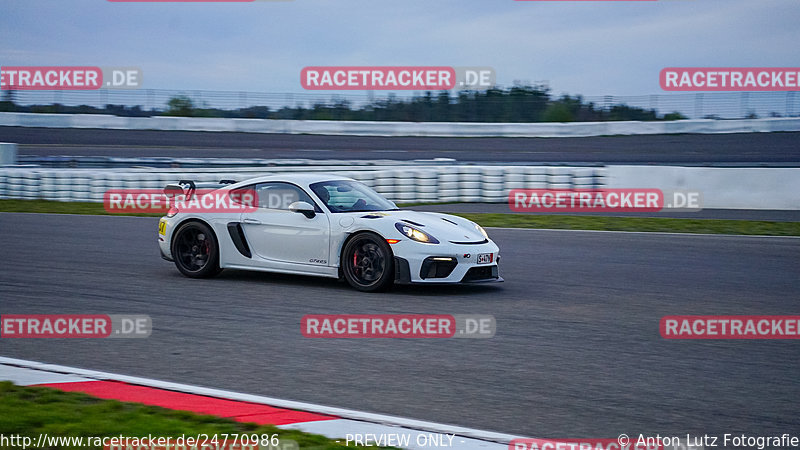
(342, 200)
(277, 195)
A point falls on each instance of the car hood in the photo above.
(444, 227)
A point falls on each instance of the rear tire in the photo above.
(195, 250)
(368, 263)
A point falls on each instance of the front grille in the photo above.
(433, 268)
(481, 273)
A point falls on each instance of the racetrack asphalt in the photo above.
(577, 351)
(747, 149)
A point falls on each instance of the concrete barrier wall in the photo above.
(8, 154)
(438, 129)
(730, 188)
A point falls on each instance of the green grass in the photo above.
(29, 411)
(652, 224)
(561, 222)
(48, 206)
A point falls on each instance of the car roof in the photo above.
(300, 178)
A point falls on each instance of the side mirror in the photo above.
(303, 208)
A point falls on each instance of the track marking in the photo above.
(358, 416)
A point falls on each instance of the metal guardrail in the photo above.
(112, 162)
(364, 128)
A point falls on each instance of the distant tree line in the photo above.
(515, 104)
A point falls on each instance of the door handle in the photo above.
(252, 221)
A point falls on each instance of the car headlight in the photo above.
(415, 234)
(483, 232)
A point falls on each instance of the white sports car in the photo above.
(324, 225)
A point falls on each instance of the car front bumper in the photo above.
(164, 239)
(445, 263)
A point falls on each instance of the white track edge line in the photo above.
(74, 214)
(288, 404)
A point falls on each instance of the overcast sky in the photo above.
(578, 47)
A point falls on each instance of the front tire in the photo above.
(195, 250)
(368, 263)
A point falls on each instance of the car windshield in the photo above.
(350, 196)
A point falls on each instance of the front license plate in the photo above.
(485, 258)
(162, 227)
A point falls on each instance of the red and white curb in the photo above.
(335, 423)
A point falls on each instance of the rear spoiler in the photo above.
(187, 188)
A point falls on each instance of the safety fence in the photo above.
(451, 183)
